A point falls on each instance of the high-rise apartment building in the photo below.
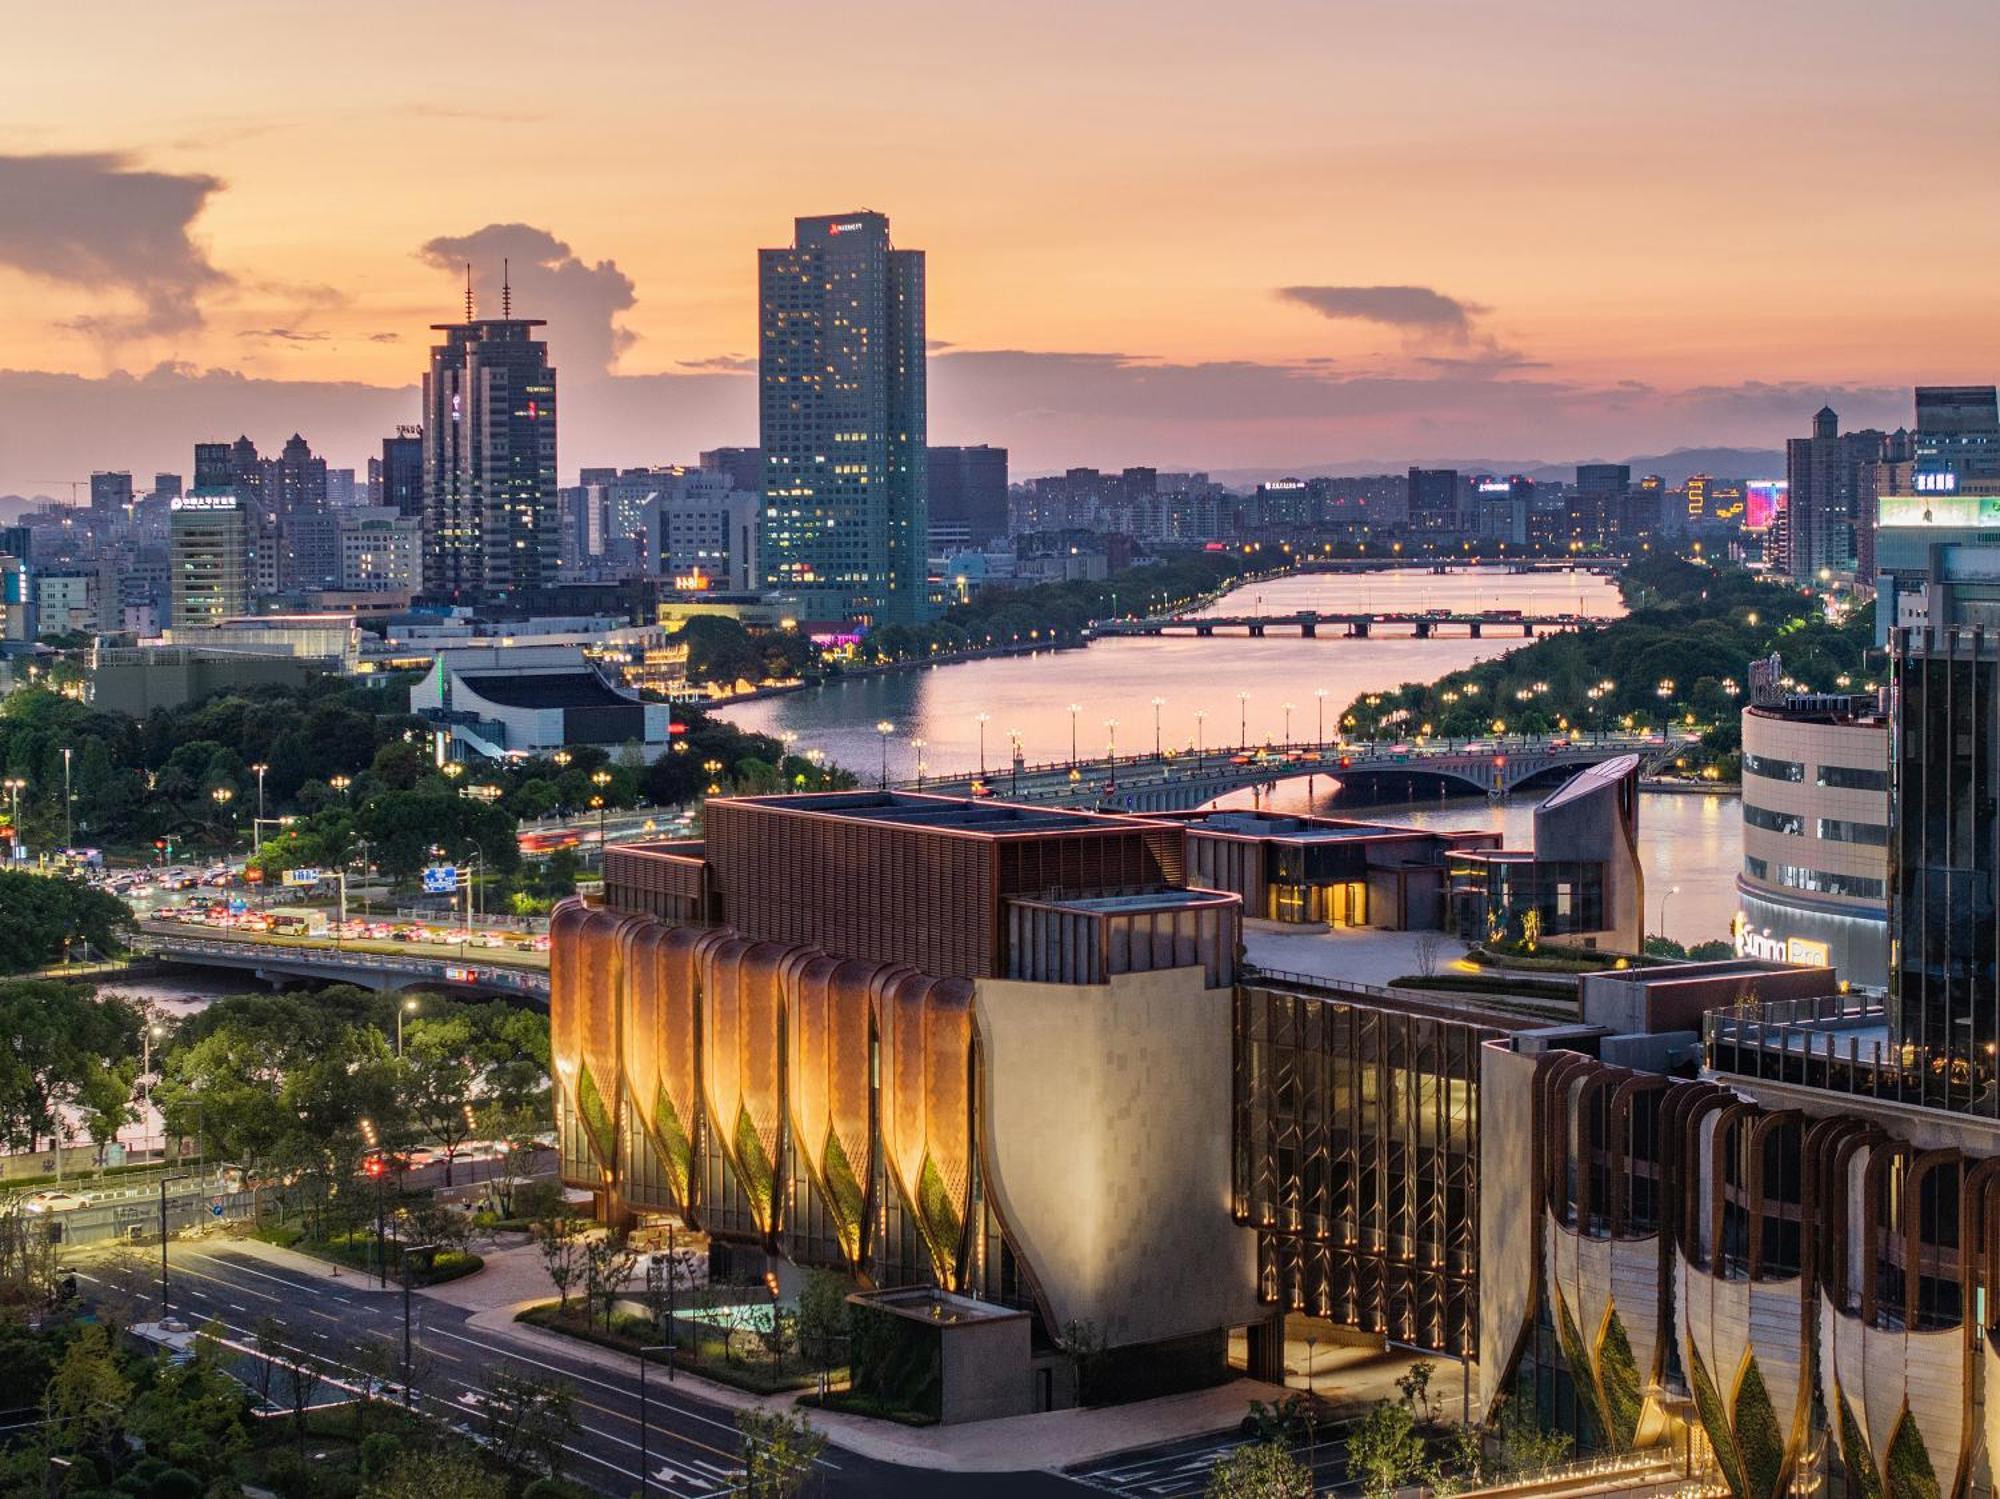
(490, 524)
(701, 532)
(208, 547)
(238, 468)
(968, 492)
(110, 493)
(841, 386)
(1433, 503)
(380, 549)
(1822, 474)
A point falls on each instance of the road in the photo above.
(692, 1444)
(1179, 1470)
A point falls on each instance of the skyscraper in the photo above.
(402, 470)
(1822, 473)
(842, 405)
(490, 525)
(968, 491)
(1433, 504)
(110, 493)
(208, 547)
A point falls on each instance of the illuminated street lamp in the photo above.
(714, 769)
(1074, 709)
(1158, 704)
(222, 797)
(1288, 725)
(982, 719)
(340, 783)
(918, 746)
(1200, 719)
(1320, 693)
(1243, 720)
(885, 728)
(69, 807)
(1111, 741)
(257, 827)
(562, 759)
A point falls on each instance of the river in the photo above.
(1691, 841)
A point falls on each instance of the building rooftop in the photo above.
(947, 813)
(568, 689)
(928, 1304)
(1595, 778)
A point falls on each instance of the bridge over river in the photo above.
(1352, 624)
(1179, 781)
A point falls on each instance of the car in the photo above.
(54, 1200)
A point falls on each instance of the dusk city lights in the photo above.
(891, 750)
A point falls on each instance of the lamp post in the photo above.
(164, 1181)
(1671, 890)
(407, 1007)
(69, 805)
(918, 746)
(885, 728)
(1243, 720)
(409, 1400)
(1014, 756)
(982, 719)
(1288, 725)
(1074, 709)
(222, 797)
(1158, 704)
(1111, 741)
(338, 783)
(257, 827)
(1200, 718)
(1320, 732)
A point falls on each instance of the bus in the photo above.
(298, 923)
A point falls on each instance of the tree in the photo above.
(779, 1451)
(194, 1415)
(529, 1420)
(1414, 1385)
(85, 1402)
(1429, 947)
(429, 1471)
(1259, 1470)
(68, 1050)
(559, 1239)
(1384, 1451)
(439, 1078)
(823, 1319)
(608, 1261)
(304, 1370)
(1525, 1447)
(27, 1257)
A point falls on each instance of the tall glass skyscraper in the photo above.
(841, 401)
(490, 522)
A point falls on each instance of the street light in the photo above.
(645, 1462)
(885, 728)
(1074, 709)
(1243, 720)
(409, 1400)
(982, 719)
(1288, 725)
(407, 1007)
(1111, 741)
(918, 746)
(1671, 890)
(223, 796)
(1320, 693)
(164, 1181)
(1158, 704)
(69, 805)
(341, 783)
(257, 827)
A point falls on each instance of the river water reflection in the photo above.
(1241, 686)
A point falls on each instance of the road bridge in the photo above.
(1351, 624)
(1180, 781)
(277, 959)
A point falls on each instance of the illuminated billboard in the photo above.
(1763, 502)
(1940, 509)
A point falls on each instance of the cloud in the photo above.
(580, 301)
(287, 335)
(728, 364)
(97, 221)
(385, 338)
(1412, 308)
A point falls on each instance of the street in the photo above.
(1176, 1470)
(692, 1445)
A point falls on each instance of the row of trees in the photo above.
(1679, 656)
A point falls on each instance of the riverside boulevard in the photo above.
(464, 1332)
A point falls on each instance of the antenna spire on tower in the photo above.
(468, 291)
(506, 290)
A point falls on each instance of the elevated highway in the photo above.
(1179, 781)
(274, 959)
(1350, 624)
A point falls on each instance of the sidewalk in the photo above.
(344, 1276)
(1051, 1440)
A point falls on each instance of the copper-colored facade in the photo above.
(772, 1034)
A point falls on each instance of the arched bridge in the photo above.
(1179, 781)
(383, 972)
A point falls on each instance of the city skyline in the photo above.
(1171, 244)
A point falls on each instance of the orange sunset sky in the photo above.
(1248, 236)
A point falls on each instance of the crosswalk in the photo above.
(1184, 1468)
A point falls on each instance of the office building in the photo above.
(110, 493)
(1814, 883)
(744, 467)
(701, 532)
(1958, 432)
(401, 470)
(1433, 499)
(208, 545)
(489, 443)
(65, 601)
(498, 702)
(166, 486)
(842, 407)
(968, 491)
(381, 549)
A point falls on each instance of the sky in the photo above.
(1270, 235)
